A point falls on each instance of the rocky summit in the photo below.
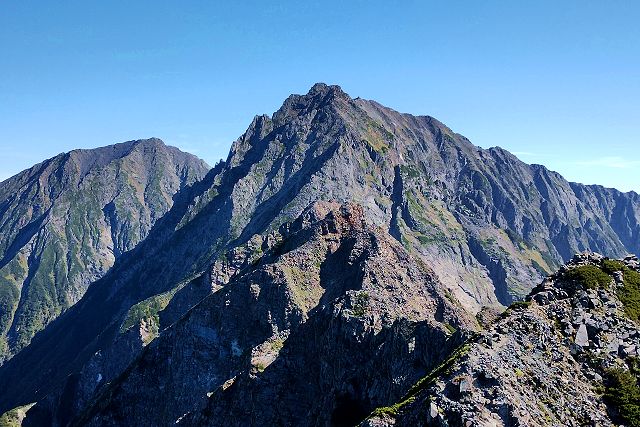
(350, 264)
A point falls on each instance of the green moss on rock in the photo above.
(589, 276)
(622, 392)
(629, 294)
(148, 309)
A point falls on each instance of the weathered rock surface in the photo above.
(489, 227)
(332, 319)
(543, 364)
(64, 222)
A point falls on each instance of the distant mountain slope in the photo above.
(65, 221)
(488, 225)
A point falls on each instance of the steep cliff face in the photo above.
(490, 225)
(64, 222)
(329, 317)
(487, 225)
(568, 357)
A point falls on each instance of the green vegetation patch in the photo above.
(409, 171)
(303, 285)
(612, 265)
(450, 328)
(623, 393)
(629, 294)
(377, 136)
(360, 304)
(147, 309)
(589, 276)
(539, 268)
(14, 417)
(277, 344)
(517, 305)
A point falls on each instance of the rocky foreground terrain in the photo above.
(333, 270)
(566, 357)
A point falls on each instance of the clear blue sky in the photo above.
(556, 82)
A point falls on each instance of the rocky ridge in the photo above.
(558, 360)
(328, 305)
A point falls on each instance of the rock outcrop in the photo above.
(558, 360)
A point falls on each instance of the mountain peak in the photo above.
(320, 96)
(88, 159)
(325, 89)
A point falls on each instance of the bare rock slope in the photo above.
(569, 357)
(329, 317)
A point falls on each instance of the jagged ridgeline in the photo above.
(339, 255)
(65, 221)
(566, 357)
